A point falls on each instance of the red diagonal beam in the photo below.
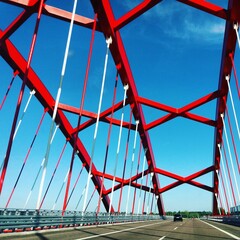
(103, 116)
(207, 7)
(21, 18)
(93, 117)
(183, 112)
(134, 13)
(189, 179)
(200, 102)
(156, 105)
(169, 174)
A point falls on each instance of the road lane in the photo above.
(152, 230)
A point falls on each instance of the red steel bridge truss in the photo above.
(105, 24)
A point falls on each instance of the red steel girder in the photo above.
(188, 179)
(107, 24)
(183, 112)
(134, 13)
(30, 7)
(207, 7)
(93, 116)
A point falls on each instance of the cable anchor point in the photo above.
(227, 77)
(126, 87)
(109, 41)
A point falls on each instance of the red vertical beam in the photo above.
(229, 45)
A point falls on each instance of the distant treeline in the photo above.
(190, 214)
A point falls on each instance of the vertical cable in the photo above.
(133, 157)
(233, 141)
(235, 74)
(108, 142)
(90, 199)
(149, 192)
(26, 158)
(235, 27)
(118, 146)
(20, 97)
(125, 162)
(38, 173)
(64, 181)
(140, 192)
(229, 175)
(108, 41)
(53, 174)
(225, 177)
(230, 155)
(134, 195)
(8, 90)
(144, 198)
(224, 190)
(23, 114)
(83, 191)
(66, 200)
(234, 111)
(75, 184)
(56, 105)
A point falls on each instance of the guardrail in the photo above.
(232, 220)
(16, 220)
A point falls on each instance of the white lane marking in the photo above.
(114, 232)
(162, 238)
(219, 229)
(175, 228)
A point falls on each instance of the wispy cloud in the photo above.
(178, 21)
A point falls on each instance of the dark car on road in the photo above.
(177, 217)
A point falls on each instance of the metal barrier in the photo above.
(27, 220)
(231, 220)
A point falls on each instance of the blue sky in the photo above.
(174, 52)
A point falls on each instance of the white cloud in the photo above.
(179, 21)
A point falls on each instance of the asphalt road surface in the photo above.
(155, 230)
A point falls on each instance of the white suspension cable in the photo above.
(216, 196)
(230, 155)
(233, 107)
(140, 193)
(65, 179)
(108, 41)
(156, 203)
(30, 193)
(54, 133)
(24, 111)
(149, 192)
(225, 176)
(118, 146)
(235, 27)
(221, 196)
(81, 197)
(133, 157)
(56, 104)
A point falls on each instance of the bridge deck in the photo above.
(158, 230)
